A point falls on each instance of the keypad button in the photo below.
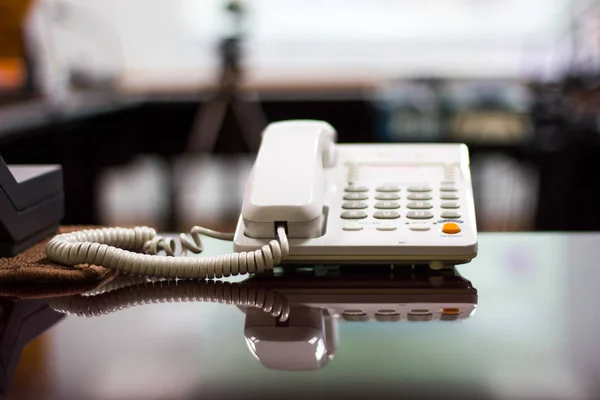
(444, 183)
(419, 188)
(355, 196)
(387, 205)
(352, 227)
(449, 196)
(353, 215)
(387, 196)
(450, 214)
(419, 228)
(451, 228)
(386, 215)
(354, 205)
(388, 188)
(448, 188)
(449, 204)
(419, 205)
(419, 215)
(419, 196)
(386, 228)
(356, 188)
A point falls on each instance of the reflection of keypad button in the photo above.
(449, 204)
(419, 205)
(449, 196)
(353, 215)
(356, 189)
(419, 215)
(450, 214)
(355, 196)
(352, 227)
(386, 215)
(419, 196)
(386, 228)
(387, 196)
(419, 317)
(448, 188)
(389, 205)
(388, 188)
(419, 188)
(354, 205)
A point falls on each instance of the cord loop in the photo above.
(123, 249)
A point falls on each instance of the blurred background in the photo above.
(154, 107)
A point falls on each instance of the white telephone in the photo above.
(309, 199)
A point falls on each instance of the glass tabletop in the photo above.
(519, 321)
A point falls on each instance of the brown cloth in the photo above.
(31, 275)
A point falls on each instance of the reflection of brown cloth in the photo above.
(31, 275)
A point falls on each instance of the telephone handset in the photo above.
(310, 200)
(287, 184)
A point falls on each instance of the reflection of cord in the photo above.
(241, 295)
(117, 248)
(119, 282)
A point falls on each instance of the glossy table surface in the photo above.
(532, 331)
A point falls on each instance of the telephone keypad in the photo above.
(355, 196)
(386, 214)
(387, 196)
(419, 215)
(419, 205)
(356, 189)
(388, 201)
(388, 188)
(353, 215)
(419, 196)
(387, 205)
(354, 205)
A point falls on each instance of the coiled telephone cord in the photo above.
(120, 249)
(238, 294)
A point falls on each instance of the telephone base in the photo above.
(329, 250)
(433, 265)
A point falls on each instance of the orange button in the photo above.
(451, 228)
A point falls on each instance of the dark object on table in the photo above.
(31, 205)
(20, 323)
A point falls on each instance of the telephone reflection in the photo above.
(292, 315)
(310, 200)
